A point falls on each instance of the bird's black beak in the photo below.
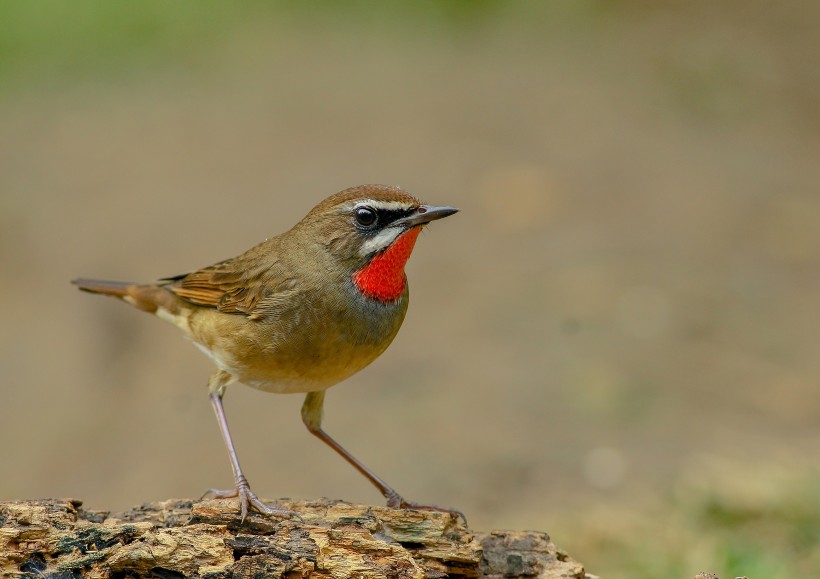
(425, 214)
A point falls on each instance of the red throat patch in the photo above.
(383, 278)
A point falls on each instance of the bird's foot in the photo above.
(248, 500)
(396, 501)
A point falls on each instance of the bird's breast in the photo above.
(312, 342)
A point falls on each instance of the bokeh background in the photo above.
(617, 340)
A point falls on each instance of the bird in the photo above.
(299, 312)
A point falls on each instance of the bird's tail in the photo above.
(151, 298)
(117, 289)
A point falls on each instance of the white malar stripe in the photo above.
(382, 240)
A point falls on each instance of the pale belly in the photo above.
(297, 354)
(277, 376)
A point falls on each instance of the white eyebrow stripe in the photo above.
(382, 240)
(385, 205)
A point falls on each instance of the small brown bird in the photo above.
(299, 312)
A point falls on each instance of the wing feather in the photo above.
(234, 286)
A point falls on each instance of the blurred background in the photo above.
(616, 341)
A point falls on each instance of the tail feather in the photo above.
(149, 298)
(100, 286)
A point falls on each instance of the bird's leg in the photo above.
(312, 417)
(247, 498)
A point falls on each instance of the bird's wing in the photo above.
(233, 286)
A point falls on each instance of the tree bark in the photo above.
(58, 539)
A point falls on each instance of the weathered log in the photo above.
(58, 539)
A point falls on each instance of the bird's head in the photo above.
(368, 233)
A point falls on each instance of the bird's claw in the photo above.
(411, 505)
(396, 501)
(249, 501)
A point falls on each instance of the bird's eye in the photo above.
(365, 216)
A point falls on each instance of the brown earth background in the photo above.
(628, 298)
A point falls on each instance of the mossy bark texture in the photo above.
(58, 539)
